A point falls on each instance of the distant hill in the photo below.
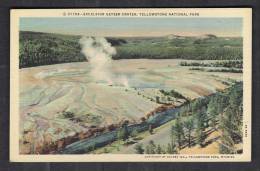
(207, 36)
(174, 36)
(47, 48)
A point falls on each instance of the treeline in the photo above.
(181, 47)
(234, 66)
(222, 112)
(232, 70)
(228, 64)
(37, 49)
(167, 51)
(173, 93)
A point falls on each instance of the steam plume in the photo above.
(99, 52)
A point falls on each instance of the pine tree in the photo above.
(171, 149)
(201, 119)
(200, 135)
(150, 148)
(236, 109)
(227, 145)
(231, 121)
(177, 132)
(189, 125)
(216, 106)
(123, 133)
(139, 148)
(213, 113)
(158, 149)
(147, 149)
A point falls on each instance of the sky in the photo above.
(133, 27)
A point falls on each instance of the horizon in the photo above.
(135, 27)
(147, 36)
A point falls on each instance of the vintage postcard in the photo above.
(130, 85)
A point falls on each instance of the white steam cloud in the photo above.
(99, 52)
